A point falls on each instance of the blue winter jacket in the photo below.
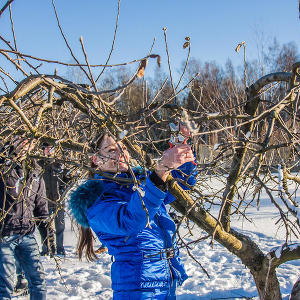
(143, 256)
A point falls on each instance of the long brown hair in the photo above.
(86, 236)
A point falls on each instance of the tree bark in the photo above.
(272, 290)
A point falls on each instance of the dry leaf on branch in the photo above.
(157, 58)
(142, 67)
(186, 44)
(238, 47)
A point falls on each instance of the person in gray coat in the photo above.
(55, 182)
(23, 204)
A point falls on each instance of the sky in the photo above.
(215, 28)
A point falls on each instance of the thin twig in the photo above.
(113, 43)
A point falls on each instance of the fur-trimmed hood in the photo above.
(87, 193)
(82, 198)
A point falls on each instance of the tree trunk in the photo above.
(295, 294)
(238, 244)
(272, 292)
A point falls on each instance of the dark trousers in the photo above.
(59, 222)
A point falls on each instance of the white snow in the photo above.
(72, 279)
(123, 134)
(248, 134)
(216, 146)
(214, 114)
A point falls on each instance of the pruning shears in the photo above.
(177, 135)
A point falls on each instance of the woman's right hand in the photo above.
(173, 158)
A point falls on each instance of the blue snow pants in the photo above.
(147, 294)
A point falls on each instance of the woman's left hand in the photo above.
(174, 158)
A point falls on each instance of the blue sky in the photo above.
(215, 28)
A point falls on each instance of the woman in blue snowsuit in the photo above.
(141, 241)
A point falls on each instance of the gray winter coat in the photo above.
(22, 200)
(55, 181)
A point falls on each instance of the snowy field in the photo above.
(229, 279)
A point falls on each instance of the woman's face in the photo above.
(112, 156)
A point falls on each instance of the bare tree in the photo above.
(249, 133)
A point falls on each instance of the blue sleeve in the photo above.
(113, 215)
(186, 170)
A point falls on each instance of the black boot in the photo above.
(21, 284)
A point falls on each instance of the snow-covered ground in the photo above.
(71, 279)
